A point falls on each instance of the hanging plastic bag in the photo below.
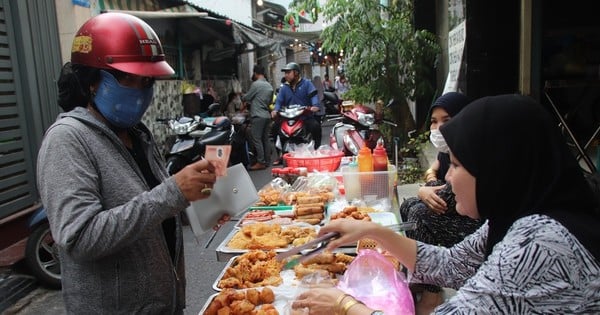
(373, 279)
(236, 85)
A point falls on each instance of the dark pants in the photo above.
(260, 129)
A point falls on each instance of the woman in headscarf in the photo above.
(434, 208)
(539, 248)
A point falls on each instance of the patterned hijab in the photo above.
(522, 166)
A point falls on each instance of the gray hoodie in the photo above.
(107, 223)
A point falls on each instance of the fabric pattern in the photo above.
(539, 267)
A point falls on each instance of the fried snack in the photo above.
(353, 212)
(325, 257)
(309, 221)
(302, 271)
(241, 307)
(252, 269)
(225, 310)
(234, 302)
(308, 199)
(304, 210)
(268, 196)
(319, 216)
(326, 264)
(253, 296)
(266, 296)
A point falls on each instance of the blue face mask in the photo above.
(122, 106)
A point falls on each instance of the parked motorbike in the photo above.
(292, 127)
(241, 148)
(357, 128)
(41, 256)
(332, 103)
(193, 135)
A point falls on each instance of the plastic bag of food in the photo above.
(373, 279)
(271, 193)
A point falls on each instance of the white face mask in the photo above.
(438, 141)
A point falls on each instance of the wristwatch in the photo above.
(377, 313)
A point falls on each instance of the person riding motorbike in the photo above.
(300, 91)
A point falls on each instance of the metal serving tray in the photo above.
(224, 252)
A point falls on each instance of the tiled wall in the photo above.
(166, 104)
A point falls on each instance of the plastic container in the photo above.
(380, 159)
(320, 164)
(351, 181)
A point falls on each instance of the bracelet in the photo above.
(348, 305)
(338, 302)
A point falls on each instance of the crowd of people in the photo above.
(525, 235)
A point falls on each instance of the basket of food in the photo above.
(328, 163)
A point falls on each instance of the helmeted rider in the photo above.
(298, 90)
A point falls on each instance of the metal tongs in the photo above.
(306, 251)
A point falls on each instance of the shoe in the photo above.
(257, 166)
(277, 162)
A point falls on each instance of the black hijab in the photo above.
(522, 166)
(452, 103)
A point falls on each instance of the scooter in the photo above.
(357, 128)
(331, 103)
(193, 134)
(241, 148)
(41, 255)
(292, 129)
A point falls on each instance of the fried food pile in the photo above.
(354, 212)
(233, 302)
(270, 236)
(326, 263)
(252, 269)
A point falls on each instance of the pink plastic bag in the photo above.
(372, 279)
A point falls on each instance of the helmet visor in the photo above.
(146, 69)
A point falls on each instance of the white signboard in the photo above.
(456, 47)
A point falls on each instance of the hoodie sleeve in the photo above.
(81, 218)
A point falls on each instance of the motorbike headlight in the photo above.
(366, 119)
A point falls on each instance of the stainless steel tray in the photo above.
(288, 276)
(284, 296)
(225, 252)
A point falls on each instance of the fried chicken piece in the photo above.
(226, 310)
(341, 257)
(253, 296)
(231, 282)
(242, 307)
(325, 257)
(213, 308)
(266, 296)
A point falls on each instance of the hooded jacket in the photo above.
(107, 222)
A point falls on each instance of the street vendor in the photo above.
(539, 248)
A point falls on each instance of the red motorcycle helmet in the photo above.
(120, 41)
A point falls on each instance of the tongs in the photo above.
(306, 251)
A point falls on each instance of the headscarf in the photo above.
(452, 103)
(522, 166)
